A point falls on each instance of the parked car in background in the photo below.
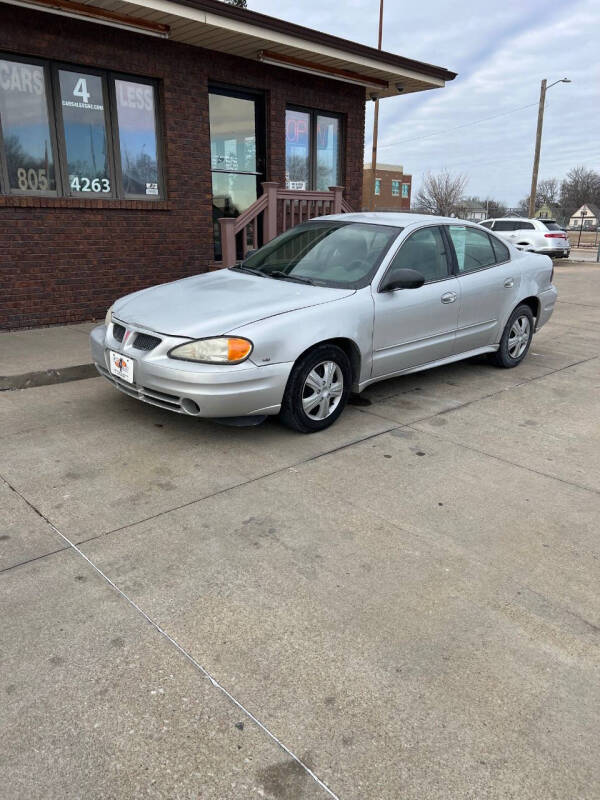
(329, 307)
(536, 235)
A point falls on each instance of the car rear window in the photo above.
(551, 225)
(504, 225)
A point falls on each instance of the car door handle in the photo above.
(509, 283)
(449, 297)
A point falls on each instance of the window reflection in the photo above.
(327, 152)
(25, 127)
(82, 103)
(232, 133)
(297, 150)
(232, 194)
(137, 137)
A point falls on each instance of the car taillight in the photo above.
(554, 235)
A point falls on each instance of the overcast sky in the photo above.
(501, 52)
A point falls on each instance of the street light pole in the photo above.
(538, 142)
(376, 119)
(583, 216)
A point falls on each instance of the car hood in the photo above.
(217, 302)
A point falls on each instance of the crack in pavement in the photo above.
(187, 655)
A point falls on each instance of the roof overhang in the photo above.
(218, 26)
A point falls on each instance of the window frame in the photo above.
(51, 68)
(449, 253)
(396, 185)
(407, 195)
(456, 271)
(313, 115)
(377, 187)
(5, 188)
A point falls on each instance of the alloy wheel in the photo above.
(519, 336)
(322, 390)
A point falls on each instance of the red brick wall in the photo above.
(67, 260)
(385, 201)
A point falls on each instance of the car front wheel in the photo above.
(317, 389)
(516, 338)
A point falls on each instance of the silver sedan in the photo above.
(323, 310)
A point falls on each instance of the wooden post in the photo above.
(228, 254)
(270, 214)
(338, 191)
(536, 158)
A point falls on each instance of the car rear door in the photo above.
(416, 326)
(488, 282)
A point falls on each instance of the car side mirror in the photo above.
(402, 279)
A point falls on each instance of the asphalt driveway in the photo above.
(404, 606)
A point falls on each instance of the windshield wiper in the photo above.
(251, 270)
(283, 276)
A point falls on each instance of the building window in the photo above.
(312, 150)
(84, 129)
(108, 142)
(25, 130)
(138, 138)
(405, 189)
(395, 188)
(377, 185)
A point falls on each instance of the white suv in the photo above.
(536, 235)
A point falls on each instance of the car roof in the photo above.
(396, 219)
(518, 219)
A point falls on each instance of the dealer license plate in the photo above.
(121, 366)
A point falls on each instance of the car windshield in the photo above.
(551, 225)
(337, 254)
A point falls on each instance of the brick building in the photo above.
(125, 136)
(390, 191)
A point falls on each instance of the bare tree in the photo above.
(441, 194)
(238, 3)
(547, 192)
(494, 208)
(580, 186)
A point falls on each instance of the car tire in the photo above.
(516, 338)
(309, 404)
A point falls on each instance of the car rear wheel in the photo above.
(516, 338)
(317, 389)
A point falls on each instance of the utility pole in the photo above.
(376, 119)
(538, 142)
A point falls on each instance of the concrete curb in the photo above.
(28, 380)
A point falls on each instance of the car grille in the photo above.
(118, 332)
(168, 401)
(143, 341)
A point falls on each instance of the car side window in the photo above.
(486, 224)
(424, 251)
(525, 226)
(473, 248)
(500, 249)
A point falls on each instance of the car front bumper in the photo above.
(186, 387)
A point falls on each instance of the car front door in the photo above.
(416, 326)
(488, 284)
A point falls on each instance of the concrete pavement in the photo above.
(404, 606)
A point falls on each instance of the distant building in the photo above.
(471, 210)
(390, 191)
(588, 216)
(545, 212)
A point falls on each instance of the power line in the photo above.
(459, 127)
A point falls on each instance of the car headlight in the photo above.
(108, 317)
(217, 350)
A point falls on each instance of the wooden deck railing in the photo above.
(276, 210)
